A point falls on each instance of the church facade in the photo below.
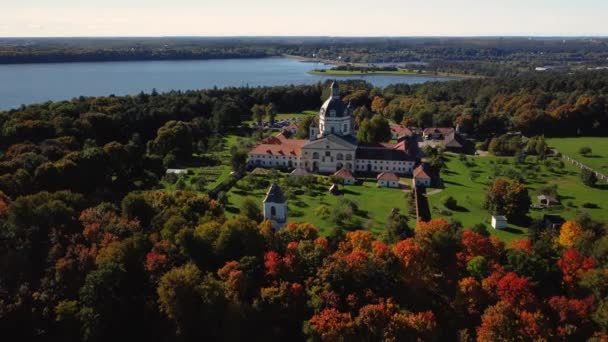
(332, 146)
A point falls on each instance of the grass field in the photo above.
(597, 160)
(375, 204)
(468, 181)
(288, 116)
(213, 174)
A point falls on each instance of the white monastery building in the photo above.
(333, 146)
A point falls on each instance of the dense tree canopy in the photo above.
(92, 250)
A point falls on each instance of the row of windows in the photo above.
(339, 156)
(272, 163)
(383, 162)
(270, 157)
(385, 168)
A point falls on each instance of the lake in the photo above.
(34, 83)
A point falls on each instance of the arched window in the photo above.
(349, 157)
(273, 211)
(315, 155)
(339, 156)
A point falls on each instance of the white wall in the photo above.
(280, 209)
(422, 182)
(395, 166)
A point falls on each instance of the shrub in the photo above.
(585, 151)
(181, 183)
(322, 211)
(590, 205)
(450, 202)
(170, 178)
(199, 183)
(588, 177)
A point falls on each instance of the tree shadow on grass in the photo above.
(452, 183)
(301, 204)
(296, 213)
(460, 208)
(603, 186)
(350, 192)
(232, 210)
(513, 230)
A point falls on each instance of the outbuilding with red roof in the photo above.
(388, 180)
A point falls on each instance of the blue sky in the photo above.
(310, 17)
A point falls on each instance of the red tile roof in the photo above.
(422, 172)
(400, 130)
(389, 176)
(344, 173)
(442, 130)
(280, 145)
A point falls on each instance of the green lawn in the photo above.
(288, 116)
(375, 204)
(469, 191)
(597, 160)
(215, 173)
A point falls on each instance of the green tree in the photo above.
(375, 130)
(304, 127)
(478, 267)
(174, 137)
(251, 209)
(238, 159)
(193, 301)
(257, 113)
(585, 151)
(135, 206)
(588, 177)
(271, 112)
(397, 228)
(509, 198)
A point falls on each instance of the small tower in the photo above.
(275, 206)
(335, 90)
(312, 131)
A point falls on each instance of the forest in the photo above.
(489, 56)
(93, 248)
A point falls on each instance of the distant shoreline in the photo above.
(400, 72)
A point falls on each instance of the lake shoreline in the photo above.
(339, 73)
(37, 83)
(401, 72)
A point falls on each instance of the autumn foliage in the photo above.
(569, 233)
(199, 276)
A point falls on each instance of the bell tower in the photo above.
(275, 206)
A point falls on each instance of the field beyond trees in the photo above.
(597, 159)
(467, 181)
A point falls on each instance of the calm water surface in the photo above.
(33, 83)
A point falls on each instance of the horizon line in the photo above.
(321, 36)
